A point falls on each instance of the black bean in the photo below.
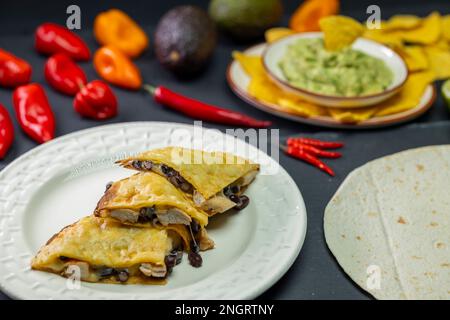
(147, 165)
(194, 247)
(173, 180)
(136, 164)
(186, 187)
(165, 169)
(243, 202)
(63, 258)
(195, 259)
(108, 185)
(170, 260)
(227, 191)
(179, 256)
(195, 226)
(123, 276)
(106, 272)
(235, 189)
(235, 198)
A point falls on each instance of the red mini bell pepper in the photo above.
(13, 70)
(51, 38)
(34, 113)
(96, 101)
(64, 75)
(6, 131)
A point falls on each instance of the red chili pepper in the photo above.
(6, 131)
(202, 111)
(96, 100)
(313, 150)
(51, 38)
(64, 75)
(34, 113)
(307, 157)
(13, 70)
(317, 143)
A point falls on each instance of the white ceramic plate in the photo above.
(276, 50)
(238, 81)
(57, 183)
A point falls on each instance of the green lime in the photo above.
(446, 92)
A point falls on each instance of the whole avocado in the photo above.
(185, 39)
(246, 19)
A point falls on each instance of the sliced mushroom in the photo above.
(125, 215)
(173, 216)
(153, 270)
(77, 268)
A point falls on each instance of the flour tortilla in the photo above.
(392, 217)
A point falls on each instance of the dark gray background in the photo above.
(315, 274)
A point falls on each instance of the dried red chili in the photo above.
(34, 113)
(307, 157)
(200, 110)
(317, 143)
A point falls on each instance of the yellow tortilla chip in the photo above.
(390, 39)
(302, 108)
(352, 115)
(340, 31)
(402, 22)
(446, 27)
(274, 34)
(428, 33)
(439, 62)
(252, 64)
(409, 96)
(415, 58)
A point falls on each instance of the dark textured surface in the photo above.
(315, 274)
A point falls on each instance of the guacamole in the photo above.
(348, 72)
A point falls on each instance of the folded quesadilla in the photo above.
(103, 250)
(147, 199)
(214, 180)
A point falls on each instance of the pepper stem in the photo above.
(149, 88)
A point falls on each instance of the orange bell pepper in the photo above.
(115, 67)
(115, 27)
(306, 17)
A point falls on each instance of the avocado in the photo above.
(246, 19)
(185, 39)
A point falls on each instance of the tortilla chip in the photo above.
(428, 33)
(415, 58)
(390, 39)
(274, 34)
(252, 64)
(302, 108)
(352, 115)
(340, 31)
(402, 22)
(439, 62)
(410, 95)
(445, 20)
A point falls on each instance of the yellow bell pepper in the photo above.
(115, 28)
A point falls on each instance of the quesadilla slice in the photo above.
(103, 250)
(147, 199)
(214, 180)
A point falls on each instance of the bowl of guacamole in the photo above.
(361, 75)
